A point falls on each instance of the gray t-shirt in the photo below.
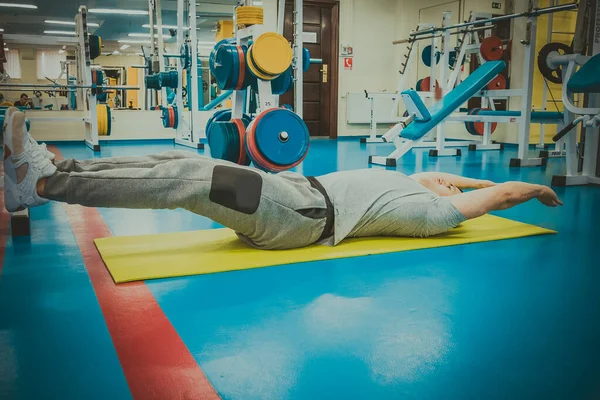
(373, 202)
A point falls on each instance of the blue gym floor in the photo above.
(514, 319)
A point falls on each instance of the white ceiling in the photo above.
(19, 21)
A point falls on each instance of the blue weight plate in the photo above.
(235, 57)
(213, 53)
(165, 117)
(426, 56)
(224, 67)
(283, 82)
(224, 141)
(221, 115)
(306, 60)
(267, 133)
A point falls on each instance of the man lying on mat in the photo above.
(267, 211)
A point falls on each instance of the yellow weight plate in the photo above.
(255, 70)
(254, 15)
(102, 117)
(272, 53)
(101, 121)
(248, 9)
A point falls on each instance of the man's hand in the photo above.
(548, 197)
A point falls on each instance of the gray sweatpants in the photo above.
(266, 211)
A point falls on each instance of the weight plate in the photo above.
(479, 127)
(418, 85)
(224, 141)
(491, 48)
(426, 56)
(553, 75)
(281, 137)
(221, 115)
(241, 126)
(108, 120)
(165, 117)
(186, 55)
(176, 118)
(498, 83)
(225, 66)
(257, 72)
(272, 53)
(213, 54)
(282, 83)
(425, 85)
(469, 124)
(224, 115)
(452, 55)
(305, 60)
(152, 82)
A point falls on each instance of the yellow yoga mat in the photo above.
(136, 258)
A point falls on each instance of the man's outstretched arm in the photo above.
(501, 197)
(460, 182)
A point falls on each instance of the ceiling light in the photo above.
(116, 11)
(1, 30)
(64, 47)
(134, 41)
(125, 46)
(185, 28)
(70, 33)
(16, 5)
(61, 51)
(70, 23)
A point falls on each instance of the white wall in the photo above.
(370, 26)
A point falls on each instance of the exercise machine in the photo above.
(523, 117)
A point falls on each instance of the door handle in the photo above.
(324, 71)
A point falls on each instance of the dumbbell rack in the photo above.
(266, 99)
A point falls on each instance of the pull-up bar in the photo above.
(414, 39)
(533, 13)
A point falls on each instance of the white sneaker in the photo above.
(42, 147)
(24, 165)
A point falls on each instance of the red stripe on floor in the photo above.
(156, 362)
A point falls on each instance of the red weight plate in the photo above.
(171, 117)
(242, 74)
(426, 85)
(469, 124)
(242, 133)
(479, 127)
(498, 83)
(491, 48)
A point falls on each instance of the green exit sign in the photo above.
(497, 6)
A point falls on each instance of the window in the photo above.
(13, 64)
(48, 64)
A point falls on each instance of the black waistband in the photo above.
(327, 231)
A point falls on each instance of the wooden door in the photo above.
(321, 21)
